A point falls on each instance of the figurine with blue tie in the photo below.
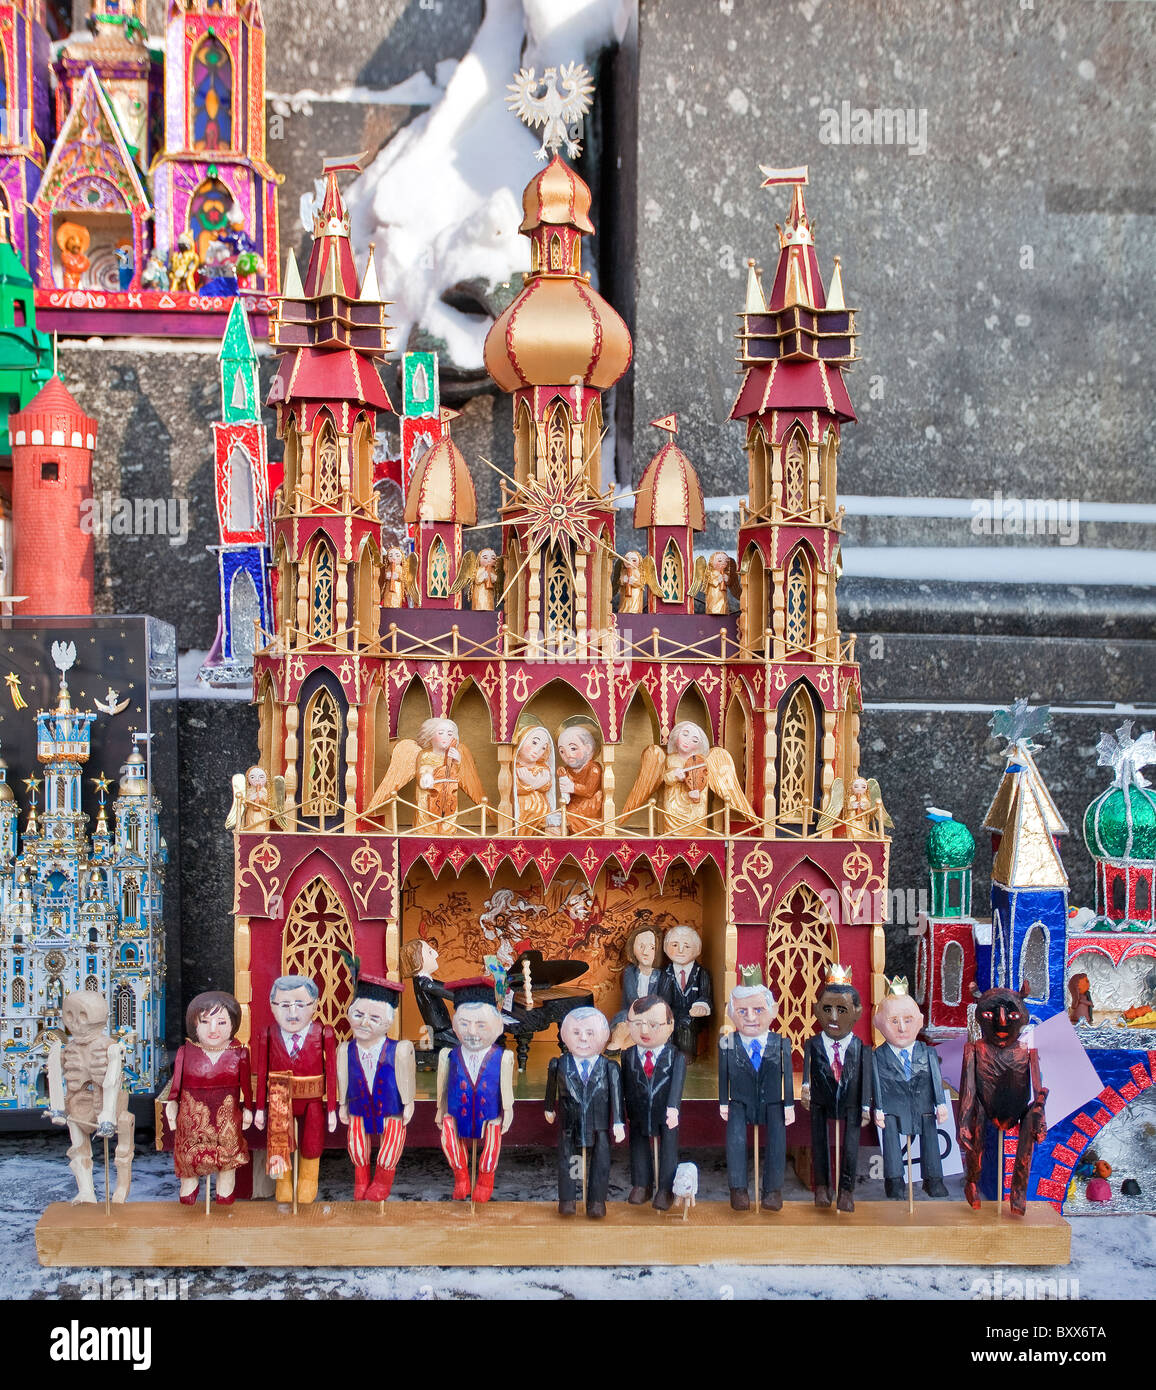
(584, 1092)
(908, 1092)
(756, 1086)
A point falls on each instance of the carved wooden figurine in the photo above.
(653, 1075)
(475, 1090)
(72, 241)
(1000, 1085)
(442, 765)
(584, 1091)
(907, 1092)
(687, 771)
(1080, 1009)
(580, 776)
(642, 965)
(210, 1098)
(715, 579)
(296, 1086)
(184, 265)
(756, 1086)
(686, 987)
(84, 1092)
(481, 574)
(376, 1080)
(535, 795)
(633, 575)
(836, 1086)
(419, 961)
(398, 579)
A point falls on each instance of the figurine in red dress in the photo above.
(210, 1098)
(297, 1083)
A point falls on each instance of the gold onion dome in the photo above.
(557, 197)
(558, 330)
(670, 493)
(441, 488)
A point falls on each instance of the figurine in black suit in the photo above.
(653, 1075)
(836, 1085)
(685, 985)
(908, 1091)
(419, 960)
(756, 1086)
(585, 1088)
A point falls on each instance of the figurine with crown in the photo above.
(908, 1094)
(836, 1087)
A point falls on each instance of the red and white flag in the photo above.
(774, 177)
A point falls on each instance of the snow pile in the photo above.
(442, 201)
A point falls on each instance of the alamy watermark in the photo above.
(107, 515)
(878, 125)
(1002, 1287)
(1027, 516)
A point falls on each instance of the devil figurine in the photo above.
(1000, 1085)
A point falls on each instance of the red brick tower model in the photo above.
(52, 446)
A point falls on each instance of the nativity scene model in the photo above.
(547, 839)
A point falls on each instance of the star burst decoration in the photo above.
(556, 511)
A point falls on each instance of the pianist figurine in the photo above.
(419, 961)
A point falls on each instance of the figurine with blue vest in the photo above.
(475, 1089)
(376, 1078)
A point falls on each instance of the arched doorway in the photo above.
(318, 944)
(801, 942)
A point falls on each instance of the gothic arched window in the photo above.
(124, 1007)
(322, 746)
(797, 760)
(18, 991)
(438, 578)
(326, 468)
(558, 446)
(321, 624)
(241, 500)
(131, 899)
(1034, 970)
(951, 979)
(212, 96)
(795, 475)
(798, 581)
(670, 580)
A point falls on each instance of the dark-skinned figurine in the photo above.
(836, 1085)
(1000, 1085)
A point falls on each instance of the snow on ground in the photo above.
(1112, 1257)
(442, 200)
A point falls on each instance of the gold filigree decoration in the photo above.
(801, 943)
(318, 939)
(755, 879)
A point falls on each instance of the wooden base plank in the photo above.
(532, 1234)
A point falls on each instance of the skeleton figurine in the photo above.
(84, 1092)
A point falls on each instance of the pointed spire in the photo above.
(756, 302)
(291, 280)
(835, 293)
(331, 269)
(369, 286)
(795, 292)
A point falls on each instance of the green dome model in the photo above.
(1121, 824)
(949, 845)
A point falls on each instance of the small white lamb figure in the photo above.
(685, 1186)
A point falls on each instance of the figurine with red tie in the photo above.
(756, 1086)
(475, 1089)
(296, 1068)
(836, 1086)
(653, 1075)
(376, 1079)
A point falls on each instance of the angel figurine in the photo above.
(441, 764)
(481, 573)
(687, 771)
(854, 815)
(715, 579)
(399, 579)
(251, 808)
(632, 576)
(535, 794)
